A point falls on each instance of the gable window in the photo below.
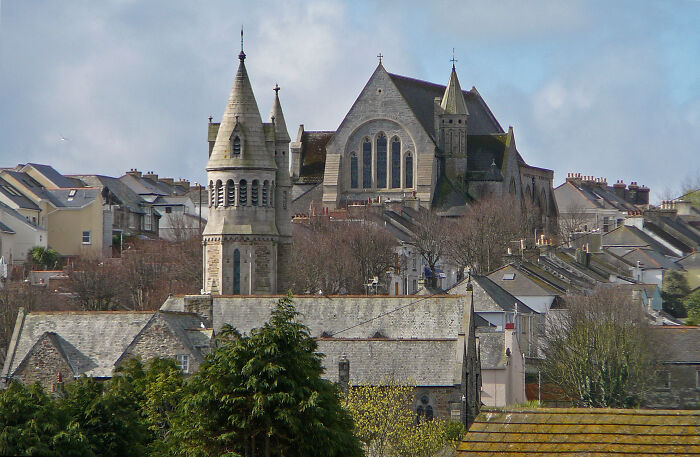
(409, 171)
(395, 163)
(381, 161)
(183, 362)
(366, 164)
(236, 272)
(236, 146)
(168, 209)
(243, 192)
(230, 193)
(86, 237)
(147, 220)
(353, 171)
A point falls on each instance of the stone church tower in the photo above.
(247, 238)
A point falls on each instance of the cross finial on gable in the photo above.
(276, 88)
(380, 57)
(453, 60)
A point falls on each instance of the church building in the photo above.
(247, 238)
(406, 138)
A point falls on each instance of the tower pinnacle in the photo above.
(241, 56)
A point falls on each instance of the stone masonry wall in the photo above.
(158, 340)
(43, 366)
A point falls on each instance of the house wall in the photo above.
(493, 387)
(515, 370)
(65, 229)
(158, 340)
(15, 247)
(43, 366)
(683, 393)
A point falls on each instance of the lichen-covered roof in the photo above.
(680, 344)
(313, 154)
(576, 431)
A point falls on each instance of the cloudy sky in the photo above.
(602, 88)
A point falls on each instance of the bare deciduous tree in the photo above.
(599, 350)
(339, 257)
(431, 238)
(571, 221)
(480, 239)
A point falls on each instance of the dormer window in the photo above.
(236, 146)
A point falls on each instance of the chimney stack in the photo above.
(344, 373)
(134, 172)
(151, 175)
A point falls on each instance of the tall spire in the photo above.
(277, 117)
(242, 118)
(453, 99)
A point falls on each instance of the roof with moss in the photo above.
(579, 431)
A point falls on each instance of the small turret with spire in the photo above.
(451, 123)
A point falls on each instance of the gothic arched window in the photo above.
(419, 414)
(272, 193)
(353, 171)
(284, 200)
(212, 195)
(230, 193)
(395, 163)
(219, 194)
(236, 272)
(429, 413)
(512, 186)
(266, 190)
(381, 161)
(366, 164)
(408, 182)
(254, 193)
(236, 146)
(243, 192)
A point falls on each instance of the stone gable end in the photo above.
(42, 364)
(158, 340)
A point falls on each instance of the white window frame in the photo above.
(183, 362)
(87, 236)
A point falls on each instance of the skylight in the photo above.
(508, 276)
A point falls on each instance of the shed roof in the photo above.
(578, 431)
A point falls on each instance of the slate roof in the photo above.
(92, 342)
(692, 260)
(83, 196)
(492, 349)
(313, 154)
(420, 96)
(144, 186)
(126, 196)
(425, 362)
(493, 298)
(649, 258)
(5, 229)
(52, 175)
(601, 196)
(576, 431)
(521, 284)
(681, 344)
(17, 197)
(381, 336)
(627, 235)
